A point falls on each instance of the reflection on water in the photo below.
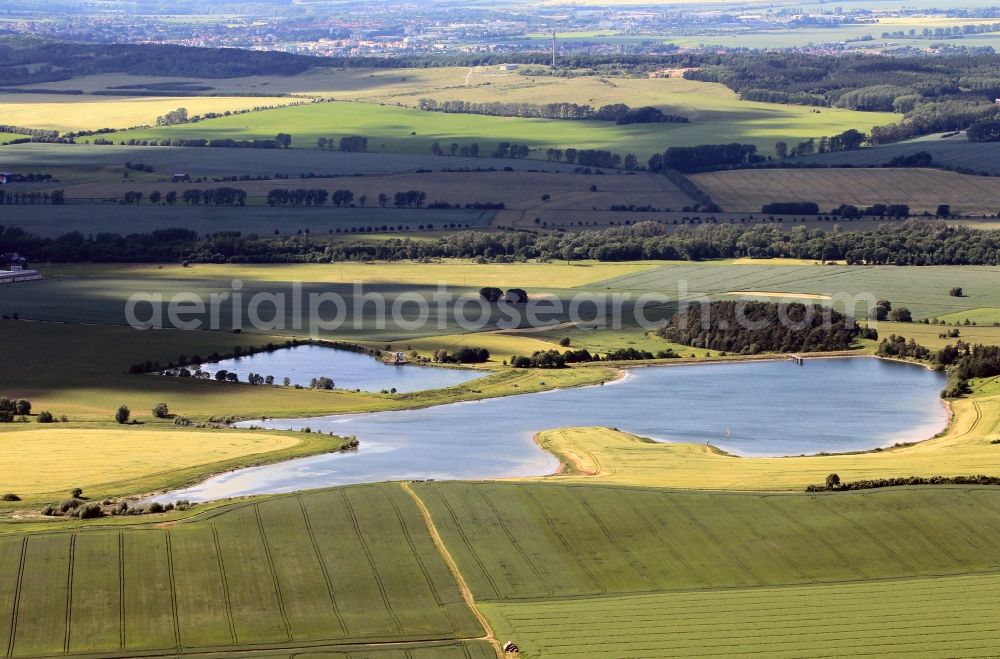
(348, 370)
(750, 408)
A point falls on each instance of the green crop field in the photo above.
(403, 130)
(924, 290)
(955, 151)
(922, 189)
(534, 541)
(883, 618)
(333, 568)
(77, 162)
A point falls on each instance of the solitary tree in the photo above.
(122, 414)
(490, 293)
(956, 292)
(832, 482)
(943, 210)
(901, 315)
(160, 411)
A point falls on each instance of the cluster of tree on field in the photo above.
(984, 131)
(52, 197)
(222, 196)
(34, 134)
(967, 363)
(81, 507)
(900, 347)
(464, 355)
(280, 141)
(846, 211)
(492, 294)
(916, 242)
(619, 113)
(703, 157)
(883, 310)
(834, 484)
(554, 359)
(849, 140)
(348, 144)
(748, 327)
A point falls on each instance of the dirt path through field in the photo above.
(463, 587)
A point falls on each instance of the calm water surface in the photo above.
(750, 408)
(348, 370)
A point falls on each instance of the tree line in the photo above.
(619, 113)
(915, 242)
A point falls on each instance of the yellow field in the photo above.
(92, 112)
(501, 346)
(451, 272)
(602, 455)
(783, 295)
(922, 189)
(927, 335)
(332, 83)
(51, 459)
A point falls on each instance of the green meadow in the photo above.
(403, 130)
(884, 618)
(560, 569)
(318, 570)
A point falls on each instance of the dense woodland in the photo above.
(750, 328)
(28, 60)
(917, 242)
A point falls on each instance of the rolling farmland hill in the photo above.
(532, 541)
(884, 618)
(229, 162)
(955, 151)
(922, 189)
(404, 130)
(321, 570)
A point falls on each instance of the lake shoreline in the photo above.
(420, 449)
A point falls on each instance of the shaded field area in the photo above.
(922, 189)
(533, 541)
(218, 161)
(955, 151)
(87, 384)
(332, 568)
(53, 221)
(516, 190)
(924, 290)
(454, 272)
(403, 130)
(929, 617)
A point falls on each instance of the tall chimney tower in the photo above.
(553, 48)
